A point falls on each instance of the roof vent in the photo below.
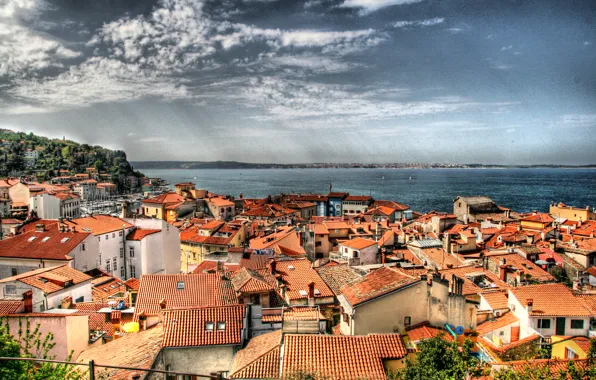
(291, 267)
(45, 239)
(64, 240)
(31, 239)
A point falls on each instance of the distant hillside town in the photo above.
(302, 286)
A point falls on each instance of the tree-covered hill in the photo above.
(56, 154)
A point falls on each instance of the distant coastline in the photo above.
(248, 165)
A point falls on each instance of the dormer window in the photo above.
(31, 239)
(45, 239)
(64, 240)
(180, 285)
(209, 326)
(221, 326)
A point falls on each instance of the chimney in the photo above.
(520, 276)
(311, 290)
(142, 321)
(529, 305)
(28, 301)
(40, 227)
(503, 272)
(273, 267)
(162, 304)
(115, 319)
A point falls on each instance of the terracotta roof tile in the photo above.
(297, 274)
(425, 331)
(505, 320)
(132, 350)
(341, 357)
(358, 243)
(249, 281)
(139, 234)
(48, 245)
(496, 299)
(199, 290)
(551, 300)
(10, 307)
(50, 280)
(259, 359)
(132, 283)
(98, 224)
(336, 276)
(203, 326)
(377, 283)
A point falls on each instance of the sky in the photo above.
(454, 81)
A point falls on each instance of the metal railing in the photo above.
(91, 365)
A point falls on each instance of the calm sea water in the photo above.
(423, 189)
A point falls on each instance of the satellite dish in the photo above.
(459, 330)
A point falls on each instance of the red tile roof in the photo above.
(259, 359)
(538, 217)
(359, 198)
(249, 281)
(139, 234)
(188, 327)
(98, 224)
(50, 280)
(167, 198)
(132, 283)
(554, 365)
(211, 266)
(106, 287)
(299, 277)
(551, 300)
(425, 331)
(496, 299)
(46, 245)
(497, 323)
(199, 290)
(377, 283)
(358, 243)
(10, 307)
(133, 350)
(341, 357)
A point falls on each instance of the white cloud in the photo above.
(579, 120)
(96, 80)
(587, 43)
(505, 48)
(427, 22)
(291, 101)
(368, 6)
(23, 50)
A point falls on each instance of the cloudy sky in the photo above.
(461, 81)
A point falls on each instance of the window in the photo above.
(10, 289)
(208, 326)
(113, 234)
(407, 321)
(80, 299)
(544, 323)
(114, 263)
(122, 272)
(131, 252)
(133, 271)
(180, 285)
(83, 247)
(221, 326)
(356, 254)
(121, 252)
(577, 324)
(108, 266)
(99, 258)
(14, 271)
(99, 238)
(120, 233)
(569, 354)
(107, 237)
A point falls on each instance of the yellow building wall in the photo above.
(532, 225)
(559, 349)
(153, 211)
(572, 213)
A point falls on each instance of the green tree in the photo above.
(439, 359)
(9, 370)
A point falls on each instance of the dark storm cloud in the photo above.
(306, 81)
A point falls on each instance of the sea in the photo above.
(522, 190)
